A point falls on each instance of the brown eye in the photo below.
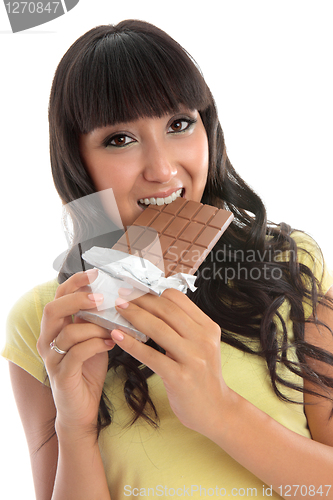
(119, 141)
(177, 126)
(180, 125)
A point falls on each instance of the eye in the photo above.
(180, 125)
(118, 141)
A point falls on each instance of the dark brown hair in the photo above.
(120, 73)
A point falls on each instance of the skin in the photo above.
(148, 156)
(156, 159)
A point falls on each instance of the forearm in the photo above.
(270, 451)
(80, 472)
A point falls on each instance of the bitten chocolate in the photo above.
(176, 237)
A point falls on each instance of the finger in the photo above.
(186, 305)
(76, 281)
(152, 326)
(79, 281)
(131, 293)
(166, 310)
(159, 363)
(69, 305)
(76, 333)
(66, 306)
(72, 362)
(58, 314)
(175, 296)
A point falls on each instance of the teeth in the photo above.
(161, 201)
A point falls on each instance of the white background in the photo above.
(269, 66)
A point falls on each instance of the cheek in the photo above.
(195, 155)
(105, 176)
(110, 205)
(201, 159)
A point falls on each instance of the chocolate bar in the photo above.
(176, 237)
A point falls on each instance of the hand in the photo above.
(191, 366)
(76, 377)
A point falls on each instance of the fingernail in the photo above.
(109, 342)
(96, 297)
(121, 303)
(92, 274)
(125, 291)
(117, 335)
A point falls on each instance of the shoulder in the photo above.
(306, 244)
(23, 329)
(310, 255)
(30, 306)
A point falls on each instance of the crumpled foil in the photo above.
(116, 270)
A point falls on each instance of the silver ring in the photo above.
(54, 346)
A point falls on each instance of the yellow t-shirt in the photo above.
(171, 460)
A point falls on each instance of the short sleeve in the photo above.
(309, 254)
(23, 329)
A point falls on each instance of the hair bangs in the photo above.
(126, 76)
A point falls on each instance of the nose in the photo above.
(159, 165)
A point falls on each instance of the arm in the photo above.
(319, 410)
(64, 417)
(76, 471)
(293, 459)
(38, 426)
(276, 455)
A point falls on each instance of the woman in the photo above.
(213, 403)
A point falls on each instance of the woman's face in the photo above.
(149, 159)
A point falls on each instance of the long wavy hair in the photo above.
(118, 74)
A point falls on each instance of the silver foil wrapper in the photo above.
(120, 270)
